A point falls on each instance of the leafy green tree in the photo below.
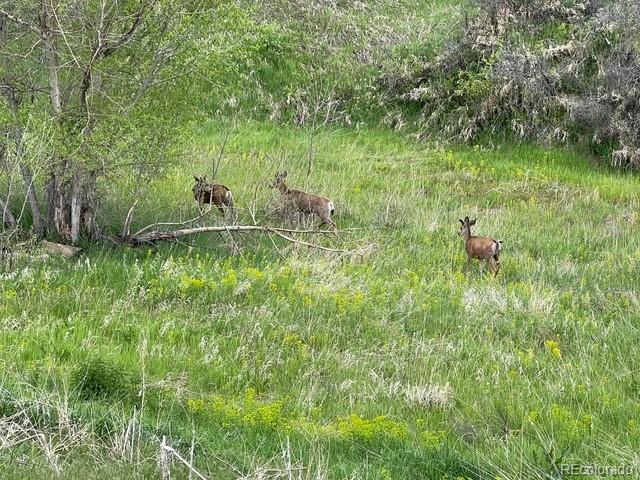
(107, 81)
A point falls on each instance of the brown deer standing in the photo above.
(306, 202)
(213, 194)
(482, 248)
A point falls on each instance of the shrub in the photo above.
(544, 70)
(100, 379)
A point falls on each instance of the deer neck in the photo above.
(284, 190)
(467, 233)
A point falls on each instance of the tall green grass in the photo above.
(385, 364)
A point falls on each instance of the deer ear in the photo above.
(196, 178)
(473, 222)
(461, 221)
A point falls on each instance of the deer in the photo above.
(482, 248)
(213, 194)
(306, 202)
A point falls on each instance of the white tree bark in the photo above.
(48, 30)
(8, 220)
(76, 206)
(27, 178)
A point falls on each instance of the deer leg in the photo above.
(466, 267)
(327, 221)
(323, 221)
(496, 264)
(490, 263)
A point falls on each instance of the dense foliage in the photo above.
(544, 70)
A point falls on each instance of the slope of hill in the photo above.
(388, 363)
(249, 356)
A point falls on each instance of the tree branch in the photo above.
(104, 49)
(126, 37)
(20, 22)
(156, 235)
(167, 224)
(126, 229)
(167, 448)
(8, 220)
(171, 234)
(312, 245)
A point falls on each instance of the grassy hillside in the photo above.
(284, 360)
(252, 357)
(316, 62)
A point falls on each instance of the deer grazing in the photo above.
(306, 202)
(482, 248)
(213, 194)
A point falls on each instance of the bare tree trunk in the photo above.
(90, 206)
(76, 206)
(56, 201)
(8, 220)
(60, 213)
(25, 171)
(51, 203)
(12, 95)
(27, 177)
(53, 62)
(58, 208)
(59, 201)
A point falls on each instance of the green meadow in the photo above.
(254, 357)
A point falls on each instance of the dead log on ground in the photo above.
(155, 236)
(60, 249)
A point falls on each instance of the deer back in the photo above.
(481, 247)
(310, 203)
(211, 193)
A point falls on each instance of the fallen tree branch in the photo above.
(173, 451)
(312, 245)
(143, 235)
(60, 249)
(169, 224)
(156, 235)
(126, 229)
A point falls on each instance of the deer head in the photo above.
(466, 224)
(279, 179)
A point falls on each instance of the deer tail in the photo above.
(230, 204)
(498, 244)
